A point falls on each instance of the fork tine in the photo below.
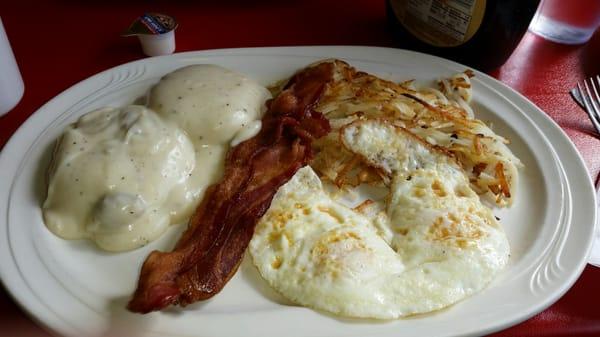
(596, 86)
(592, 109)
(585, 95)
(577, 97)
(596, 98)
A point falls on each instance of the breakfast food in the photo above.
(120, 176)
(210, 251)
(289, 185)
(319, 253)
(429, 242)
(442, 118)
(215, 107)
(117, 177)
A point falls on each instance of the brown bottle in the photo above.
(479, 33)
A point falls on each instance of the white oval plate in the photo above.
(75, 289)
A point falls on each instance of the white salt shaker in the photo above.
(11, 83)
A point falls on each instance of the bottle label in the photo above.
(442, 23)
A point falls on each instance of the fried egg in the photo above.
(444, 245)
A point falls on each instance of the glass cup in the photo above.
(569, 22)
(11, 83)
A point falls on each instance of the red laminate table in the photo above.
(59, 43)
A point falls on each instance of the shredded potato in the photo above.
(441, 117)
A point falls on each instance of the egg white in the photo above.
(444, 246)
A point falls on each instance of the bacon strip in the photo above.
(210, 251)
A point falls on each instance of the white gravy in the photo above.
(121, 176)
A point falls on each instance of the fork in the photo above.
(587, 95)
(590, 99)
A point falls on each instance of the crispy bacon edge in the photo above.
(211, 249)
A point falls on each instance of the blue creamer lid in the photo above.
(151, 24)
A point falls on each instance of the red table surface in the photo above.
(59, 43)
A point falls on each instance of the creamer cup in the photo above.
(156, 33)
